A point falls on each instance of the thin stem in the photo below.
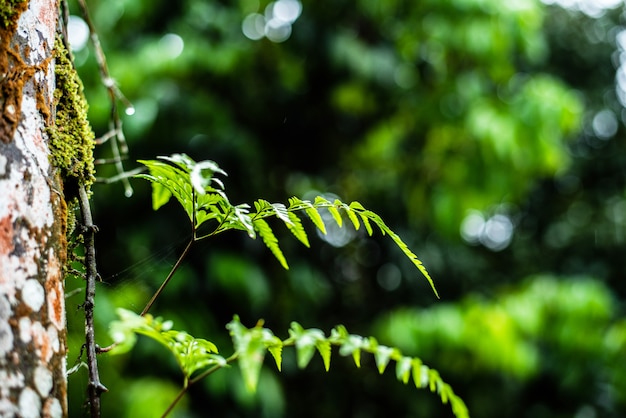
(218, 229)
(213, 369)
(180, 259)
(196, 379)
(95, 387)
(175, 401)
(124, 175)
(167, 279)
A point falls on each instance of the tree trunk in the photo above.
(33, 246)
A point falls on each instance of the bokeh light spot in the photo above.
(277, 31)
(389, 277)
(494, 233)
(171, 45)
(253, 26)
(276, 22)
(472, 227)
(604, 124)
(287, 10)
(78, 32)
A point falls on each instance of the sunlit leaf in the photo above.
(316, 218)
(296, 228)
(403, 369)
(251, 352)
(270, 241)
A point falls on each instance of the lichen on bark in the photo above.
(13, 72)
(32, 219)
(71, 138)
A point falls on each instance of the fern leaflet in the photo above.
(270, 240)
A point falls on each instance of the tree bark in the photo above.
(33, 246)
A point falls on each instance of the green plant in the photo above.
(195, 186)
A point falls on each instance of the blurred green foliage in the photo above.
(489, 134)
(543, 329)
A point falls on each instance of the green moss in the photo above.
(9, 10)
(71, 137)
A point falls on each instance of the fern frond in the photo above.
(196, 355)
(192, 184)
(308, 341)
(270, 240)
(191, 354)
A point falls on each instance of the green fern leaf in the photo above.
(324, 348)
(307, 341)
(411, 256)
(181, 177)
(359, 209)
(316, 218)
(251, 345)
(208, 208)
(270, 240)
(296, 228)
(276, 350)
(382, 356)
(281, 212)
(296, 204)
(405, 249)
(262, 205)
(160, 195)
(191, 354)
(169, 181)
(305, 349)
(349, 212)
(349, 344)
(403, 369)
(335, 214)
(241, 220)
(251, 352)
(419, 372)
(352, 216)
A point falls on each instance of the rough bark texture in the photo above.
(32, 218)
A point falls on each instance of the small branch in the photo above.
(180, 259)
(167, 279)
(104, 138)
(196, 379)
(118, 145)
(121, 176)
(95, 387)
(175, 401)
(213, 369)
